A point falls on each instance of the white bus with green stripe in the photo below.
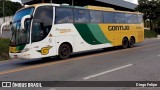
(45, 30)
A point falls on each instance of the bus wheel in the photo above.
(125, 43)
(64, 51)
(131, 42)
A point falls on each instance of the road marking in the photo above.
(69, 60)
(52, 89)
(105, 72)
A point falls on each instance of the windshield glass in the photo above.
(20, 37)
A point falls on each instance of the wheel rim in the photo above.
(64, 51)
(132, 41)
(125, 43)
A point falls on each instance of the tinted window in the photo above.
(96, 17)
(42, 23)
(119, 18)
(64, 15)
(131, 18)
(109, 17)
(18, 16)
(140, 18)
(128, 18)
(135, 18)
(81, 16)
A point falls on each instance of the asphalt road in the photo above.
(140, 63)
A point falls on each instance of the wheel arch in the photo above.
(125, 37)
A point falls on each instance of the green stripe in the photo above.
(92, 33)
(86, 34)
(21, 47)
(98, 34)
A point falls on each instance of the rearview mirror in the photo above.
(23, 21)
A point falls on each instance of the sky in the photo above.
(133, 1)
(16, 0)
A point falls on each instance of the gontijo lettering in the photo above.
(118, 28)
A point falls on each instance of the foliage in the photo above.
(10, 7)
(151, 11)
(150, 34)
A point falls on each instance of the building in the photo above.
(7, 19)
(116, 4)
(6, 32)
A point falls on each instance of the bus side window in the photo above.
(135, 19)
(109, 17)
(140, 18)
(128, 18)
(120, 17)
(96, 17)
(64, 15)
(81, 16)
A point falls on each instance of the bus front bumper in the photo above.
(25, 55)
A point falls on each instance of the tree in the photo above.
(150, 10)
(10, 8)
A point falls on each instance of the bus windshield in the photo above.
(18, 36)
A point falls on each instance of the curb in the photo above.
(3, 61)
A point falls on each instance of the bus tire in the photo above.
(131, 42)
(64, 51)
(125, 43)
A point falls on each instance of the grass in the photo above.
(150, 34)
(4, 46)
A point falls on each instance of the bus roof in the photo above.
(108, 9)
(85, 7)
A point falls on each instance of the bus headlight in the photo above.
(25, 50)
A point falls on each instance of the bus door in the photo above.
(41, 37)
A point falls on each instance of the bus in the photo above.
(45, 30)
